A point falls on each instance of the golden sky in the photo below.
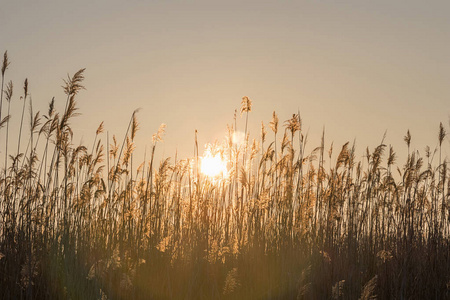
(358, 68)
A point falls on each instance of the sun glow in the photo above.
(238, 138)
(213, 165)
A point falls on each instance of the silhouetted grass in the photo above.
(79, 223)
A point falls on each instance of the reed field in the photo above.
(256, 216)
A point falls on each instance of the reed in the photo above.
(283, 223)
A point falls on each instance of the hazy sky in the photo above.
(356, 67)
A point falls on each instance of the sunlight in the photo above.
(213, 165)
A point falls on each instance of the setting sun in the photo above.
(213, 166)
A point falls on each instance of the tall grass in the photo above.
(79, 223)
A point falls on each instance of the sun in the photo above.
(213, 165)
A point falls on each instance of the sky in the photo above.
(356, 68)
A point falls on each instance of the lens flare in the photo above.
(213, 165)
(238, 138)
